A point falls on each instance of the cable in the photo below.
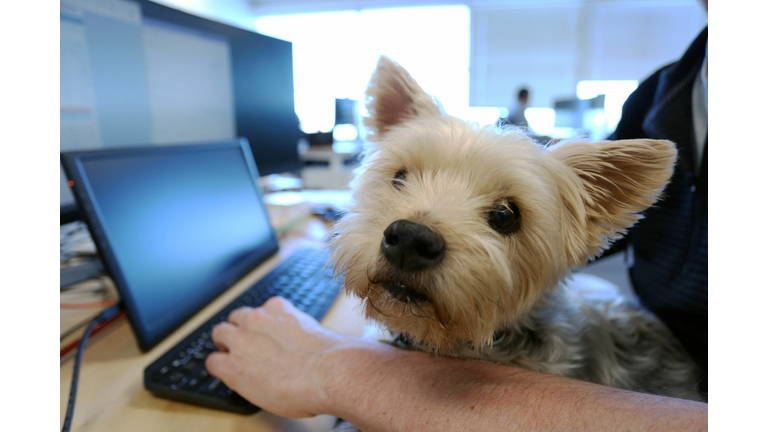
(75, 328)
(107, 314)
(73, 289)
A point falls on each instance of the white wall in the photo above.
(551, 48)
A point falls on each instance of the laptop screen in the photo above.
(176, 225)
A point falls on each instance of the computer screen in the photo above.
(175, 225)
(570, 113)
(140, 73)
(346, 111)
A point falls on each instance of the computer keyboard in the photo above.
(180, 373)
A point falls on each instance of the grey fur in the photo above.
(615, 343)
(610, 342)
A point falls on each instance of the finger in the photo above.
(281, 308)
(237, 316)
(223, 335)
(218, 364)
(277, 303)
(278, 308)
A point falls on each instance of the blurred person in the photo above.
(516, 115)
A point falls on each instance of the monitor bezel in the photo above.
(147, 340)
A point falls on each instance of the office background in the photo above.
(135, 74)
(470, 53)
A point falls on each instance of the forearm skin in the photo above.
(382, 388)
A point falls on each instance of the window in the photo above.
(335, 53)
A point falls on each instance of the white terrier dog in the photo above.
(459, 238)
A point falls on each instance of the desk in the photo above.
(111, 396)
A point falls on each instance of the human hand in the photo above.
(269, 355)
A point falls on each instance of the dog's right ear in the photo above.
(615, 181)
(393, 97)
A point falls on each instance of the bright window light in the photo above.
(485, 115)
(541, 120)
(344, 132)
(616, 92)
(335, 53)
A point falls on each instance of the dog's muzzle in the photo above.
(410, 246)
(404, 293)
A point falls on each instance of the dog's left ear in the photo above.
(616, 181)
(393, 97)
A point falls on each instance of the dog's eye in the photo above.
(399, 177)
(505, 218)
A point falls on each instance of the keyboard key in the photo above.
(211, 386)
(176, 377)
(192, 364)
(161, 374)
(191, 384)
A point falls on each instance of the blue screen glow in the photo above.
(177, 224)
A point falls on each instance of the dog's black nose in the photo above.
(411, 246)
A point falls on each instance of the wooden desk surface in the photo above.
(111, 396)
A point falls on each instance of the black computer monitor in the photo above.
(139, 73)
(346, 111)
(569, 112)
(174, 225)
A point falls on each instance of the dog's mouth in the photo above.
(404, 293)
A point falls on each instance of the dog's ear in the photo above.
(393, 97)
(615, 181)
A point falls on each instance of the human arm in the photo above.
(283, 361)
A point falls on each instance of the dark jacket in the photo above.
(669, 245)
